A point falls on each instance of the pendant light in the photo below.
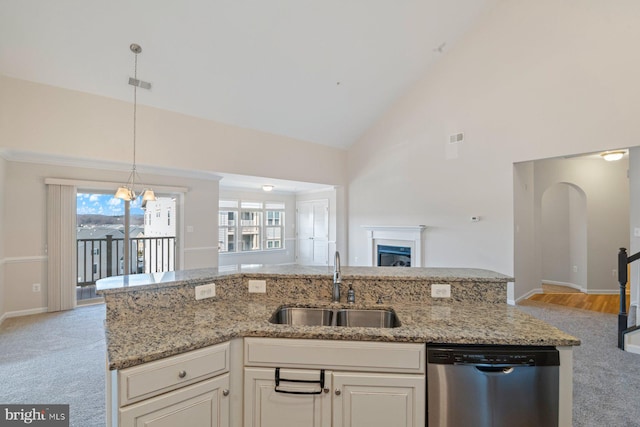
(127, 191)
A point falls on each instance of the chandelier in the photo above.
(128, 191)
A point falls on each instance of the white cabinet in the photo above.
(370, 400)
(266, 407)
(204, 404)
(365, 384)
(190, 389)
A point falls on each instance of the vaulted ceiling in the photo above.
(321, 71)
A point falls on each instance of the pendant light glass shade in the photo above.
(127, 191)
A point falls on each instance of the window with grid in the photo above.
(246, 226)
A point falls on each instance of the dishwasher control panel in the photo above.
(492, 355)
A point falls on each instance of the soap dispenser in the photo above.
(351, 295)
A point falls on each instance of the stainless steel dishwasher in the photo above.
(492, 386)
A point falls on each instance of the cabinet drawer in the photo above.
(340, 355)
(153, 378)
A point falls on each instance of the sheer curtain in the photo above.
(61, 244)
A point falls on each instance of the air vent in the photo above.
(456, 138)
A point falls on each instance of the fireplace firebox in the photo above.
(394, 256)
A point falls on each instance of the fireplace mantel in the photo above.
(396, 235)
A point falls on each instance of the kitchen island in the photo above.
(152, 318)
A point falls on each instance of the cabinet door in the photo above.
(372, 400)
(265, 407)
(204, 404)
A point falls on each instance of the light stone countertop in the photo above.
(166, 332)
(185, 277)
(153, 316)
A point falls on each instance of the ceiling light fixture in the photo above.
(267, 187)
(612, 156)
(127, 191)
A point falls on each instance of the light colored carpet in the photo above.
(60, 358)
(56, 358)
(606, 380)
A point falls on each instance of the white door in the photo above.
(204, 404)
(266, 407)
(378, 400)
(312, 232)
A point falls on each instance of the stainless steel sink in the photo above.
(367, 318)
(303, 316)
(310, 316)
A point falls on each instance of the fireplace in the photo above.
(395, 245)
(394, 256)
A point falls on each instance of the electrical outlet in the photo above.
(575, 268)
(205, 291)
(35, 287)
(440, 291)
(258, 286)
(614, 272)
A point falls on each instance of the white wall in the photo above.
(563, 232)
(25, 234)
(533, 80)
(556, 243)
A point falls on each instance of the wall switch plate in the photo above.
(205, 291)
(258, 286)
(440, 291)
(35, 287)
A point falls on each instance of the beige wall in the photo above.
(532, 80)
(25, 234)
(2, 239)
(60, 124)
(56, 121)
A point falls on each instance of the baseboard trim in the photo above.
(566, 284)
(528, 294)
(20, 313)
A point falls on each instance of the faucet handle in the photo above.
(381, 297)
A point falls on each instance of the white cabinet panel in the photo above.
(205, 404)
(372, 400)
(264, 407)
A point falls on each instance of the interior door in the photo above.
(312, 232)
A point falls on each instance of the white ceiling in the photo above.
(318, 70)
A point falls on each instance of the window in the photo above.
(246, 226)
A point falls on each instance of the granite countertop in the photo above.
(165, 332)
(185, 277)
(153, 316)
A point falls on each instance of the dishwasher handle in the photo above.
(495, 370)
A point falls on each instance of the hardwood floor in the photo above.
(570, 297)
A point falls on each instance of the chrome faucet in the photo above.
(337, 278)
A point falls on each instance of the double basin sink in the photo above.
(350, 317)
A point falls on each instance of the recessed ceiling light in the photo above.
(267, 187)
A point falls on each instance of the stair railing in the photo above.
(623, 261)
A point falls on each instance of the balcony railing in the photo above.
(99, 258)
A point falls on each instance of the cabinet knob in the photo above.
(225, 392)
(326, 390)
(182, 374)
(338, 392)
